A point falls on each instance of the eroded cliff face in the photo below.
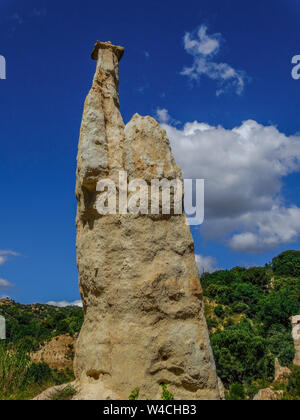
(144, 320)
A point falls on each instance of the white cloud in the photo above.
(203, 48)
(163, 116)
(4, 254)
(9, 252)
(64, 304)
(5, 284)
(243, 170)
(206, 264)
(278, 226)
(2, 260)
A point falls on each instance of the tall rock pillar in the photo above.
(144, 321)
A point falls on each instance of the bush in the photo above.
(287, 264)
(278, 306)
(212, 323)
(236, 393)
(219, 311)
(239, 307)
(38, 373)
(241, 354)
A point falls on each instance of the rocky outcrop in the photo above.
(281, 372)
(268, 394)
(281, 376)
(144, 322)
(296, 338)
(58, 353)
(6, 301)
(49, 393)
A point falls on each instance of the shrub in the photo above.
(38, 373)
(219, 311)
(287, 264)
(293, 386)
(166, 394)
(241, 354)
(236, 392)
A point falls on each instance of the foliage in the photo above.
(293, 387)
(134, 394)
(236, 393)
(240, 354)
(66, 394)
(166, 394)
(28, 327)
(219, 311)
(253, 308)
(287, 264)
(38, 373)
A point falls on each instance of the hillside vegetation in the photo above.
(28, 327)
(248, 315)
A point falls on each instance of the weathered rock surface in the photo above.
(58, 353)
(296, 338)
(281, 372)
(49, 393)
(144, 321)
(268, 394)
(82, 391)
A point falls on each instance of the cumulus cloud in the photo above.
(64, 304)
(5, 284)
(206, 264)
(244, 169)
(204, 48)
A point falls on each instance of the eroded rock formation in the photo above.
(144, 321)
(281, 372)
(268, 394)
(296, 338)
(58, 352)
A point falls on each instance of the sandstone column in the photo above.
(144, 320)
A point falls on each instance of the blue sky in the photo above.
(172, 69)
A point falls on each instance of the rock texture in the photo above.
(296, 338)
(144, 321)
(268, 394)
(281, 373)
(50, 393)
(58, 353)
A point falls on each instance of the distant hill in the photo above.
(31, 325)
(248, 314)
